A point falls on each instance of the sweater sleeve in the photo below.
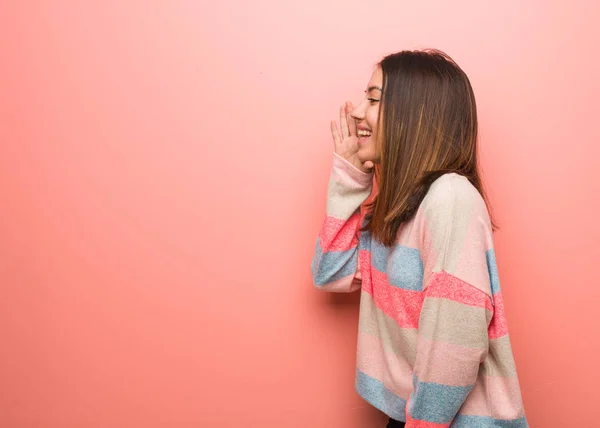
(457, 305)
(335, 261)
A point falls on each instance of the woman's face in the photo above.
(366, 115)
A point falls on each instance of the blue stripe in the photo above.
(365, 240)
(374, 392)
(379, 256)
(433, 402)
(468, 421)
(408, 268)
(490, 256)
(403, 265)
(333, 265)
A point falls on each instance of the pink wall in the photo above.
(163, 173)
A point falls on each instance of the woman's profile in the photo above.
(433, 346)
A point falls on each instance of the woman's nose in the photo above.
(359, 111)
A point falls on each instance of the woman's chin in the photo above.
(365, 155)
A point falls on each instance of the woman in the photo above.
(433, 345)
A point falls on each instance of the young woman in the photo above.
(433, 345)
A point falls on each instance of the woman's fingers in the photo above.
(351, 121)
(344, 122)
(336, 134)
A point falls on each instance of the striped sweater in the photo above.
(433, 345)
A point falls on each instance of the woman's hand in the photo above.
(346, 143)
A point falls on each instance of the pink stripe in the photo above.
(446, 363)
(395, 372)
(339, 235)
(449, 287)
(472, 255)
(498, 397)
(498, 327)
(414, 423)
(364, 262)
(348, 174)
(403, 306)
(343, 285)
(411, 234)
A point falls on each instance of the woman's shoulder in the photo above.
(454, 195)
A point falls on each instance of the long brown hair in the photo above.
(427, 127)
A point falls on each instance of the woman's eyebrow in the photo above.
(371, 88)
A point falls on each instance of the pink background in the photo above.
(163, 171)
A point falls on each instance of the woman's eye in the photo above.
(373, 100)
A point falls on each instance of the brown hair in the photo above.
(427, 127)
